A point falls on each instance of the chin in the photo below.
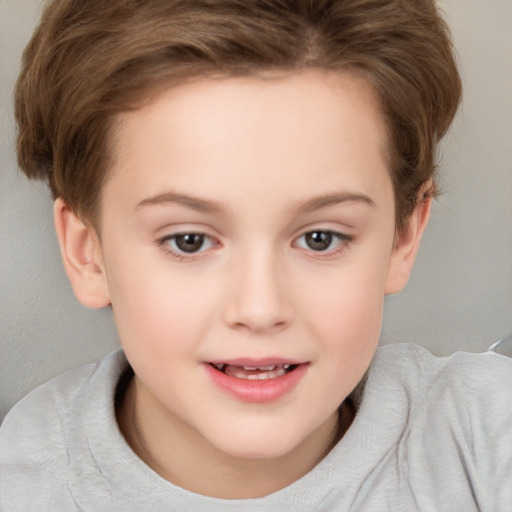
(260, 451)
(268, 442)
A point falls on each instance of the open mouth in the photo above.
(257, 381)
(254, 372)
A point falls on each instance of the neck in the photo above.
(186, 459)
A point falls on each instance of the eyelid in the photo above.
(342, 240)
(176, 252)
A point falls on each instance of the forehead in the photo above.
(297, 132)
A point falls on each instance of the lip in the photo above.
(256, 391)
(256, 362)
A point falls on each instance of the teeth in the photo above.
(253, 372)
(261, 376)
(256, 372)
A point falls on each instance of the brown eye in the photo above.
(190, 242)
(318, 240)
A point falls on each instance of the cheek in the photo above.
(350, 296)
(154, 305)
(346, 314)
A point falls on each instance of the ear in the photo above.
(406, 247)
(82, 257)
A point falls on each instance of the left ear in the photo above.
(406, 246)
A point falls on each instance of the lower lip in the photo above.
(257, 391)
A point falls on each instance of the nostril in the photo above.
(258, 303)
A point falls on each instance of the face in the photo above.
(247, 234)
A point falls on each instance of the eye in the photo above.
(188, 243)
(321, 241)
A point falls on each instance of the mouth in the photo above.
(256, 381)
(265, 372)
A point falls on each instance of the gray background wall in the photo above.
(460, 294)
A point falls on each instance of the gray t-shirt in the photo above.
(431, 434)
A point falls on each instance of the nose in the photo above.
(259, 299)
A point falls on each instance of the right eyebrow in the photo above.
(195, 203)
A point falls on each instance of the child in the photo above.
(243, 183)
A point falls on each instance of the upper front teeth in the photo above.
(270, 368)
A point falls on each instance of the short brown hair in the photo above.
(91, 59)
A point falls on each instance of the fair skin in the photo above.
(283, 188)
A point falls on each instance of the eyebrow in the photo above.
(207, 206)
(336, 198)
(195, 203)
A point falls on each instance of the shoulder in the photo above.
(45, 439)
(53, 442)
(476, 372)
(459, 419)
(472, 392)
(37, 429)
(474, 385)
(37, 418)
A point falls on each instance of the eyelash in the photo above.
(175, 252)
(168, 241)
(341, 240)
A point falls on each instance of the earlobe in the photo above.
(406, 246)
(82, 257)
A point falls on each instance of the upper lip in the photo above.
(257, 362)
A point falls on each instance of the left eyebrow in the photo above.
(336, 198)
